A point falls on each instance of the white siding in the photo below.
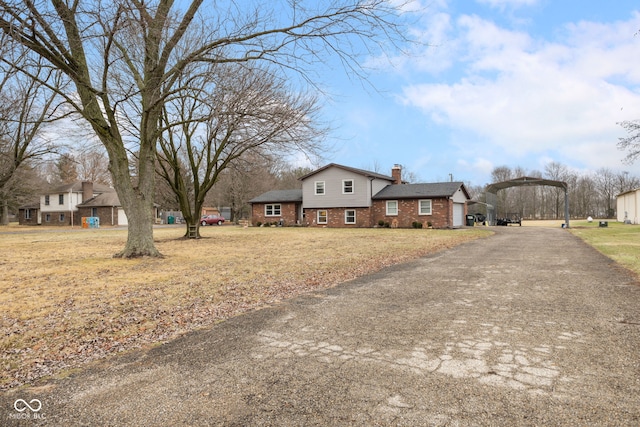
(628, 207)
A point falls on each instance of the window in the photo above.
(94, 212)
(350, 216)
(61, 218)
(319, 188)
(61, 199)
(424, 207)
(47, 218)
(272, 210)
(27, 214)
(347, 186)
(46, 200)
(392, 207)
(322, 216)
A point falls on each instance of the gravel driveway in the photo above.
(528, 327)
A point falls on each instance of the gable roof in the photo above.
(278, 196)
(366, 173)
(76, 187)
(105, 199)
(413, 191)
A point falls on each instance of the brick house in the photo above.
(342, 196)
(69, 203)
(59, 205)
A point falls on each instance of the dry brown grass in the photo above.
(66, 301)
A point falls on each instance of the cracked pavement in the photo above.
(530, 326)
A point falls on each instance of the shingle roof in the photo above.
(101, 200)
(412, 191)
(278, 196)
(76, 187)
(348, 168)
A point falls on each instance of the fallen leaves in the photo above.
(76, 304)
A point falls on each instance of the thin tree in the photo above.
(631, 142)
(127, 57)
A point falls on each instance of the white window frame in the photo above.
(350, 187)
(326, 216)
(61, 199)
(390, 212)
(46, 200)
(320, 188)
(27, 214)
(347, 216)
(425, 212)
(273, 209)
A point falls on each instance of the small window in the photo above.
(322, 216)
(47, 218)
(425, 207)
(319, 188)
(347, 186)
(27, 214)
(350, 216)
(273, 210)
(46, 200)
(94, 212)
(61, 217)
(61, 199)
(392, 207)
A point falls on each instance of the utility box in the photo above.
(603, 224)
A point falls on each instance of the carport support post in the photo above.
(566, 207)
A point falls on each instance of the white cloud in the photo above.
(525, 95)
(503, 4)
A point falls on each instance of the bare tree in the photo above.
(631, 142)
(127, 57)
(234, 110)
(26, 106)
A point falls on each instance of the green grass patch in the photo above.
(618, 241)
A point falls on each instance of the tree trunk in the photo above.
(4, 215)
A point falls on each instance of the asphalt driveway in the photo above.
(528, 327)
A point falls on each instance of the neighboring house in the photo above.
(628, 206)
(105, 206)
(67, 204)
(342, 196)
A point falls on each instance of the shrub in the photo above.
(258, 224)
(381, 223)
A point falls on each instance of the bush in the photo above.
(258, 224)
(416, 224)
(381, 223)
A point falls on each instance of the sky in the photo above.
(517, 83)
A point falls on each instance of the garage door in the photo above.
(458, 214)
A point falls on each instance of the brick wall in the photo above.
(108, 215)
(288, 213)
(30, 221)
(441, 217)
(336, 218)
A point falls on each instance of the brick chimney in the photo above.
(87, 190)
(396, 173)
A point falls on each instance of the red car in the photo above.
(211, 219)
